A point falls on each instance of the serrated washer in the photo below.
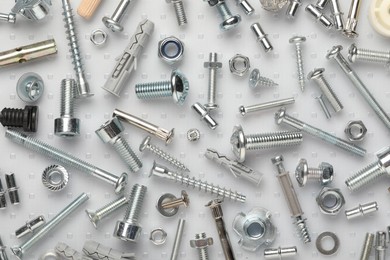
(55, 177)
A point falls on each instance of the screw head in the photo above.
(334, 51)
(180, 87)
(121, 183)
(384, 158)
(301, 172)
(67, 127)
(238, 142)
(109, 131)
(112, 25)
(316, 73)
(144, 144)
(17, 251)
(277, 160)
(185, 198)
(127, 231)
(297, 39)
(30, 87)
(350, 33)
(242, 110)
(254, 78)
(92, 217)
(327, 173)
(279, 116)
(230, 23)
(170, 136)
(352, 52)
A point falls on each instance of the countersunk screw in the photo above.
(96, 216)
(3, 201)
(160, 153)
(297, 41)
(355, 54)
(114, 22)
(282, 117)
(110, 132)
(229, 21)
(26, 118)
(38, 146)
(67, 125)
(324, 173)
(3, 253)
(177, 87)
(129, 229)
(179, 10)
(241, 142)
(213, 65)
(256, 80)
(12, 188)
(202, 242)
(352, 20)
(9, 18)
(183, 200)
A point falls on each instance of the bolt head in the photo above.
(127, 231)
(121, 183)
(242, 110)
(334, 51)
(316, 73)
(297, 39)
(112, 25)
(144, 144)
(238, 142)
(384, 158)
(301, 172)
(352, 52)
(254, 78)
(277, 160)
(67, 126)
(279, 116)
(202, 242)
(327, 173)
(214, 203)
(109, 131)
(230, 23)
(92, 217)
(17, 251)
(185, 198)
(180, 87)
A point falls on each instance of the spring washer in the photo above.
(51, 184)
(155, 234)
(98, 34)
(335, 240)
(168, 42)
(167, 212)
(234, 65)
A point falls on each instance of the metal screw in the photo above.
(38, 146)
(324, 20)
(160, 153)
(12, 188)
(293, 8)
(229, 21)
(163, 172)
(129, 229)
(82, 84)
(155, 130)
(291, 198)
(361, 210)
(318, 76)
(179, 10)
(110, 132)
(177, 87)
(183, 200)
(30, 226)
(9, 18)
(282, 117)
(3, 253)
(114, 22)
(205, 115)
(62, 215)
(26, 118)
(280, 252)
(325, 109)
(380, 245)
(371, 172)
(367, 246)
(321, 4)
(256, 80)
(178, 239)
(217, 214)
(337, 15)
(3, 201)
(67, 125)
(241, 142)
(30, 87)
(297, 41)
(202, 242)
(355, 54)
(262, 37)
(96, 216)
(324, 173)
(352, 20)
(213, 65)
(267, 105)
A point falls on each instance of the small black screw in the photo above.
(26, 118)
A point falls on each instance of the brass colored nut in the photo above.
(355, 130)
(239, 65)
(170, 49)
(330, 201)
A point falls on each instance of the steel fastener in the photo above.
(352, 20)
(3, 253)
(30, 87)
(178, 239)
(246, 6)
(193, 135)
(280, 252)
(239, 65)
(179, 11)
(32, 9)
(297, 41)
(262, 37)
(324, 173)
(355, 54)
(169, 212)
(12, 188)
(158, 236)
(320, 17)
(320, 246)
(337, 15)
(3, 201)
(267, 105)
(183, 200)
(205, 115)
(55, 177)
(170, 50)
(213, 65)
(30, 226)
(320, 4)
(355, 130)
(201, 243)
(292, 8)
(361, 210)
(25, 118)
(114, 22)
(256, 80)
(9, 18)
(330, 194)
(324, 108)
(367, 246)
(229, 21)
(380, 245)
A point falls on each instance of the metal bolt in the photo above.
(324, 20)
(12, 188)
(155, 130)
(262, 37)
(213, 65)
(280, 252)
(160, 153)
(240, 142)
(183, 200)
(321, 4)
(282, 117)
(246, 6)
(67, 125)
(205, 115)
(178, 239)
(256, 80)
(129, 228)
(367, 246)
(26, 118)
(352, 20)
(202, 242)
(114, 22)
(30, 227)
(318, 76)
(229, 21)
(355, 54)
(110, 132)
(177, 87)
(325, 109)
(3, 201)
(82, 84)
(179, 10)
(267, 105)
(106, 210)
(324, 173)
(163, 172)
(371, 172)
(337, 15)
(380, 245)
(217, 214)
(297, 41)
(292, 8)
(291, 198)
(361, 210)
(62, 215)
(3, 253)
(38, 146)
(9, 18)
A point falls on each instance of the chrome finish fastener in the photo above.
(262, 37)
(380, 245)
(297, 41)
(201, 243)
(9, 18)
(178, 239)
(179, 11)
(320, 17)
(229, 21)
(282, 117)
(3, 201)
(280, 252)
(174, 203)
(267, 105)
(205, 115)
(32, 9)
(12, 188)
(30, 87)
(324, 108)
(291, 198)
(361, 210)
(256, 80)
(30, 227)
(106, 210)
(337, 15)
(38, 146)
(213, 65)
(324, 173)
(240, 142)
(367, 246)
(114, 22)
(292, 8)
(3, 253)
(355, 54)
(352, 20)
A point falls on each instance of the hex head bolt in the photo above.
(114, 22)
(367, 246)
(282, 117)
(352, 20)
(240, 142)
(297, 41)
(12, 188)
(337, 15)
(318, 76)
(323, 174)
(87, 8)
(9, 18)
(256, 80)
(179, 11)
(361, 210)
(26, 118)
(320, 17)
(355, 54)
(261, 37)
(183, 200)
(244, 110)
(380, 245)
(205, 115)
(155, 130)
(110, 132)
(280, 252)
(20, 250)
(3, 253)
(324, 108)
(292, 8)
(213, 65)
(201, 243)
(129, 228)
(229, 20)
(63, 157)
(177, 87)
(163, 172)
(106, 210)
(163, 155)
(30, 227)
(3, 201)
(178, 239)
(67, 125)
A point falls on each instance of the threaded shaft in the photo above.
(180, 13)
(203, 252)
(136, 199)
(329, 93)
(365, 176)
(314, 173)
(224, 11)
(265, 82)
(68, 89)
(271, 140)
(301, 73)
(373, 56)
(153, 90)
(367, 246)
(212, 79)
(127, 154)
(302, 229)
(111, 207)
(167, 157)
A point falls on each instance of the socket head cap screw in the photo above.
(316, 73)
(201, 242)
(384, 158)
(67, 126)
(112, 25)
(279, 116)
(297, 39)
(127, 231)
(238, 142)
(144, 144)
(301, 172)
(230, 22)
(327, 173)
(352, 52)
(110, 130)
(92, 217)
(180, 87)
(334, 51)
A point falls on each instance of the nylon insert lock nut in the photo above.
(330, 201)
(170, 50)
(355, 130)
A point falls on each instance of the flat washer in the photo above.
(335, 240)
(166, 212)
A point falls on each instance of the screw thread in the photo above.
(68, 89)
(314, 173)
(167, 157)
(180, 13)
(367, 246)
(365, 176)
(153, 90)
(329, 93)
(271, 140)
(110, 207)
(373, 56)
(136, 199)
(265, 82)
(212, 79)
(302, 229)
(224, 10)
(301, 73)
(203, 252)
(127, 154)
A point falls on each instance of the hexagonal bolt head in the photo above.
(238, 142)
(110, 130)
(201, 241)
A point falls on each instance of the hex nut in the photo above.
(170, 50)
(355, 130)
(330, 201)
(201, 242)
(239, 65)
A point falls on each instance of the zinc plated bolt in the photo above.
(202, 242)
(12, 188)
(323, 173)
(178, 239)
(114, 22)
(9, 18)
(110, 132)
(361, 210)
(337, 15)
(262, 37)
(179, 11)
(63, 157)
(3, 253)
(355, 54)
(297, 41)
(213, 65)
(62, 215)
(229, 21)
(282, 117)
(177, 87)
(280, 252)
(240, 142)
(320, 17)
(267, 105)
(352, 20)
(324, 108)
(3, 201)
(367, 246)
(162, 154)
(380, 245)
(183, 200)
(256, 80)
(293, 8)
(96, 216)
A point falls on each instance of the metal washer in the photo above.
(166, 212)
(335, 240)
(154, 236)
